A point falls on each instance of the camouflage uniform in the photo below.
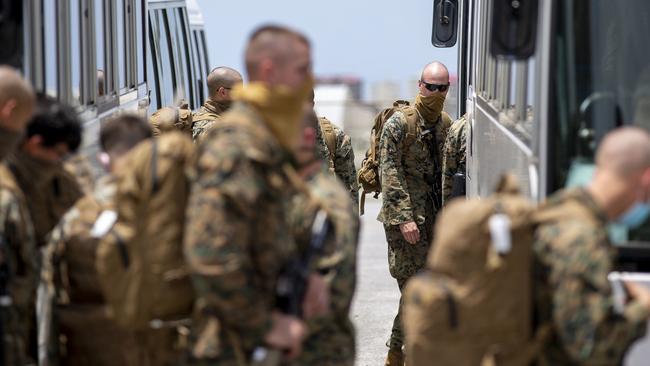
(79, 166)
(342, 161)
(50, 195)
(18, 253)
(573, 259)
(206, 116)
(407, 173)
(454, 157)
(238, 239)
(87, 334)
(331, 337)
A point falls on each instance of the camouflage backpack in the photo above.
(368, 174)
(329, 135)
(169, 119)
(140, 260)
(473, 304)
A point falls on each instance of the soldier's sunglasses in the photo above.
(434, 87)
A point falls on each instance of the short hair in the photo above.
(55, 123)
(271, 41)
(13, 86)
(120, 134)
(222, 76)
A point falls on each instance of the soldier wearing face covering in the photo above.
(17, 247)
(410, 185)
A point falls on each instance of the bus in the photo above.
(108, 56)
(541, 83)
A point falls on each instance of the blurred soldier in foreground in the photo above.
(18, 274)
(86, 334)
(221, 81)
(238, 238)
(335, 147)
(453, 161)
(409, 168)
(331, 337)
(575, 256)
(53, 133)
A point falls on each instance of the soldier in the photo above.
(454, 157)
(331, 337)
(238, 238)
(53, 133)
(221, 81)
(86, 333)
(18, 273)
(575, 256)
(408, 175)
(335, 147)
(168, 119)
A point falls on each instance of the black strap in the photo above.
(452, 305)
(121, 246)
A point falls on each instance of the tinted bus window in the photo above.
(75, 50)
(50, 61)
(185, 54)
(122, 44)
(100, 49)
(139, 41)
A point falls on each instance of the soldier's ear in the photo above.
(7, 109)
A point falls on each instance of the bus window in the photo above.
(50, 60)
(204, 50)
(181, 91)
(199, 71)
(75, 51)
(153, 78)
(186, 55)
(100, 50)
(139, 41)
(122, 44)
(167, 71)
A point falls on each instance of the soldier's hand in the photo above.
(317, 298)
(287, 334)
(410, 232)
(639, 293)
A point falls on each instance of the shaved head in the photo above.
(222, 77)
(17, 99)
(275, 44)
(624, 151)
(435, 73)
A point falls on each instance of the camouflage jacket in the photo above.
(206, 116)
(48, 200)
(408, 172)
(18, 257)
(237, 238)
(331, 338)
(341, 161)
(454, 157)
(573, 259)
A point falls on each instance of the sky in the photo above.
(375, 40)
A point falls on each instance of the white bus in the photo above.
(107, 56)
(542, 82)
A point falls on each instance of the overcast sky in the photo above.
(374, 40)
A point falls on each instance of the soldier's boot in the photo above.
(395, 357)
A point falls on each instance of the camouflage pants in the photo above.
(405, 260)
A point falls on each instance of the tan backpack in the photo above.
(368, 174)
(140, 260)
(473, 303)
(168, 119)
(329, 135)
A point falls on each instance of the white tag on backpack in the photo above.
(103, 224)
(499, 225)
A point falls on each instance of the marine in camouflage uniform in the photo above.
(19, 253)
(238, 239)
(220, 82)
(454, 157)
(331, 338)
(341, 161)
(408, 195)
(573, 259)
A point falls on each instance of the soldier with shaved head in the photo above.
(238, 238)
(221, 81)
(18, 254)
(574, 257)
(410, 168)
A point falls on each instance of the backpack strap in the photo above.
(412, 121)
(329, 135)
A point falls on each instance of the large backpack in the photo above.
(368, 174)
(473, 305)
(140, 260)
